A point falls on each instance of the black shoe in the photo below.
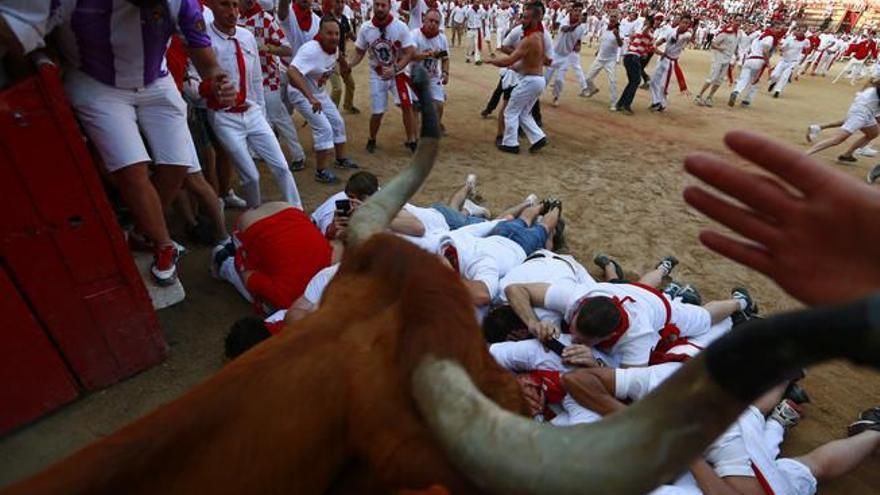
(347, 163)
(508, 149)
(872, 414)
(298, 165)
(860, 426)
(797, 394)
(602, 260)
(770, 88)
(412, 145)
(846, 159)
(538, 145)
(559, 235)
(485, 114)
(371, 146)
(690, 295)
(741, 293)
(499, 140)
(668, 263)
(776, 94)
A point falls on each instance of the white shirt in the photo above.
(473, 17)
(383, 52)
(425, 44)
(458, 14)
(484, 259)
(322, 217)
(627, 29)
(647, 315)
(315, 288)
(315, 65)
(502, 18)
(416, 10)
(792, 49)
(566, 41)
(726, 43)
(225, 48)
(296, 36)
(744, 41)
(552, 268)
(760, 47)
(608, 47)
(867, 99)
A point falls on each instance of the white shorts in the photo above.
(114, 119)
(799, 475)
(379, 89)
(635, 383)
(691, 319)
(328, 126)
(858, 118)
(718, 73)
(438, 92)
(728, 455)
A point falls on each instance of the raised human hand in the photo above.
(814, 230)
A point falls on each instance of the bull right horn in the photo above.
(654, 440)
(375, 215)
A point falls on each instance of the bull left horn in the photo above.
(655, 439)
(375, 215)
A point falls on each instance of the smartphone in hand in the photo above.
(343, 206)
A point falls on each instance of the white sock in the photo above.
(743, 304)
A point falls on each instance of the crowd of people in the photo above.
(209, 88)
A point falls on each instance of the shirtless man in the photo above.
(530, 55)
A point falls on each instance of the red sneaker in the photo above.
(164, 267)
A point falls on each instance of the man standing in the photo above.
(312, 66)
(606, 58)
(639, 45)
(723, 50)
(273, 44)
(300, 27)
(530, 54)
(756, 62)
(457, 16)
(791, 49)
(668, 64)
(503, 15)
(121, 93)
(474, 23)
(342, 73)
(567, 53)
(432, 51)
(391, 47)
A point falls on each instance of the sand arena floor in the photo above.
(620, 178)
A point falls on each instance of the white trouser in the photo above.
(825, 63)
(328, 128)
(500, 31)
(551, 74)
(570, 61)
(746, 85)
(519, 111)
(237, 131)
(856, 69)
(610, 67)
(278, 118)
(782, 74)
(228, 273)
(660, 81)
(473, 46)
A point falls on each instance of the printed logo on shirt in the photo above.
(384, 51)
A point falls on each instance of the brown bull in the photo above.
(389, 386)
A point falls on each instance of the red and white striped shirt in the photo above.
(267, 31)
(640, 44)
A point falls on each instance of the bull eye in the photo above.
(75, 221)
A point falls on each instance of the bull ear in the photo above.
(653, 440)
(375, 215)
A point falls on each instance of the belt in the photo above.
(560, 258)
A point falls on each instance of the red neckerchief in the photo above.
(800, 37)
(451, 254)
(730, 28)
(769, 33)
(303, 18)
(608, 342)
(327, 7)
(429, 36)
(320, 41)
(539, 28)
(382, 24)
(254, 10)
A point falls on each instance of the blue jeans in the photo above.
(456, 219)
(530, 239)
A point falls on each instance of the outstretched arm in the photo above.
(813, 229)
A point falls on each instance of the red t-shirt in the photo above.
(284, 251)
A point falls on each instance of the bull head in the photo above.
(389, 385)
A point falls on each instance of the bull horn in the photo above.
(375, 215)
(661, 434)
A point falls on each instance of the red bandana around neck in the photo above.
(303, 17)
(730, 28)
(384, 23)
(608, 342)
(539, 28)
(427, 35)
(800, 37)
(769, 33)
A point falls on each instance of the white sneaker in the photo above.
(474, 209)
(867, 151)
(532, 199)
(471, 181)
(707, 102)
(181, 249)
(813, 132)
(231, 200)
